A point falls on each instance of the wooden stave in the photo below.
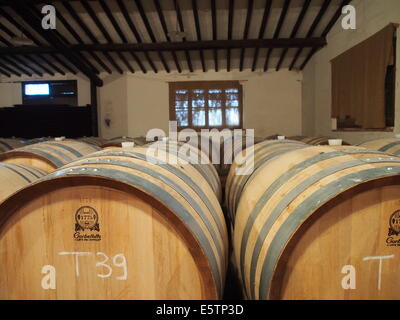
(92, 170)
(239, 239)
(97, 141)
(207, 169)
(117, 142)
(231, 147)
(14, 177)
(10, 144)
(315, 141)
(262, 151)
(389, 145)
(49, 155)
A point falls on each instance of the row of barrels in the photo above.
(7, 144)
(316, 222)
(110, 224)
(118, 223)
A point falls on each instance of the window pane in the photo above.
(232, 117)
(199, 117)
(181, 99)
(215, 98)
(181, 104)
(198, 99)
(215, 117)
(182, 117)
(232, 97)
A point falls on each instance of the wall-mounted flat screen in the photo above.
(37, 89)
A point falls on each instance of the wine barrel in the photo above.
(117, 142)
(187, 153)
(313, 224)
(50, 155)
(97, 141)
(14, 177)
(231, 147)
(391, 146)
(262, 153)
(10, 144)
(140, 230)
(315, 141)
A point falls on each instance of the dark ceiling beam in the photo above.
(178, 46)
(17, 66)
(87, 31)
(12, 71)
(165, 30)
(296, 27)
(35, 40)
(18, 59)
(198, 32)
(277, 30)
(5, 73)
(230, 27)
(326, 31)
(214, 31)
(120, 33)
(310, 32)
(78, 39)
(51, 36)
(132, 27)
(64, 64)
(32, 59)
(150, 32)
(182, 29)
(105, 33)
(267, 10)
(246, 30)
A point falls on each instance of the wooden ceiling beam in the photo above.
(88, 32)
(177, 46)
(277, 30)
(121, 34)
(310, 32)
(161, 17)
(296, 27)
(246, 30)
(267, 10)
(230, 28)
(132, 27)
(151, 33)
(51, 36)
(198, 32)
(326, 31)
(180, 21)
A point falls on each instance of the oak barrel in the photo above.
(315, 141)
(114, 225)
(321, 223)
(187, 153)
(97, 141)
(391, 145)
(10, 144)
(251, 160)
(231, 147)
(49, 155)
(15, 176)
(117, 142)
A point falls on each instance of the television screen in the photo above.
(37, 89)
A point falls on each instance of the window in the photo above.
(363, 83)
(50, 92)
(206, 104)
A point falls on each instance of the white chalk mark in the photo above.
(77, 255)
(380, 258)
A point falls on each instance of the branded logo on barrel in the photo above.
(394, 230)
(87, 226)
